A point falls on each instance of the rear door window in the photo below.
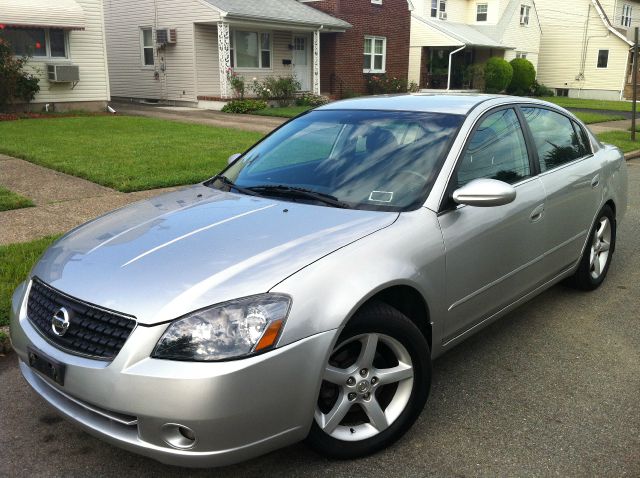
(555, 138)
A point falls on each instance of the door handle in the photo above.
(537, 213)
(595, 181)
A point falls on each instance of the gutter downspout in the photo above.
(450, 61)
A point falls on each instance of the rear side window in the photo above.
(556, 140)
(583, 139)
(496, 150)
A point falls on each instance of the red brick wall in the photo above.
(343, 59)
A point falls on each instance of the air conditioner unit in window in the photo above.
(63, 73)
(442, 15)
(166, 36)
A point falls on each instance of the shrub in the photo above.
(524, 74)
(309, 99)
(244, 106)
(538, 89)
(382, 84)
(413, 87)
(236, 82)
(15, 83)
(281, 88)
(497, 75)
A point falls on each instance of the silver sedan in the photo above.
(304, 291)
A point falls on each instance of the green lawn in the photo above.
(16, 260)
(589, 104)
(621, 139)
(284, 112)
(590, 118)
(11, 200)
(122, 152)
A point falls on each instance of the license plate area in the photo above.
(47, 366)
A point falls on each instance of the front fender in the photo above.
(328, 292)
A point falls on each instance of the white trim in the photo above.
(316, 62)
(486, 11)
(598, 59)
(143, 64)
(373, 39)
(259, 33)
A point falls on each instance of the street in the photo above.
(553, 389)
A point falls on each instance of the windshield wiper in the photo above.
(292, 191)
(226, 181)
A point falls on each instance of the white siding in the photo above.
(564, 62)
(175, 64)
(87, 50)
(523, 38)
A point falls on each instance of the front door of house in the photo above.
(301, 63)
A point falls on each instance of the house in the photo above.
(181, 51)
(376, 44)
(66, 41)
(585, 47)
(449, 37)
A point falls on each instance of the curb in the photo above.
(632, 155)
(5, 343)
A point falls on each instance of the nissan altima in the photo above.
(304, 291)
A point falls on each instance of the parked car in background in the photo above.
(304, 291)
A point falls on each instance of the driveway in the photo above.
(550, 390)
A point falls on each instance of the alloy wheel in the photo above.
(600, 248)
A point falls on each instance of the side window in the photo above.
(555, 139)
(497, 150)
(583, 139)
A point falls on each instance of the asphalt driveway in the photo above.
(553, 389)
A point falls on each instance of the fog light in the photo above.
(179, 436)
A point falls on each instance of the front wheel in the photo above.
(375, 384)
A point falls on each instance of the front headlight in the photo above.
(231, 330)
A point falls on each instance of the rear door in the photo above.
(571, 177)
(493, 254)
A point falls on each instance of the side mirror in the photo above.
(485, 193)
(233, 157)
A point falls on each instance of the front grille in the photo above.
(92, 331)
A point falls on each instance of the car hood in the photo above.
(164, 257)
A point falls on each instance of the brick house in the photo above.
(377, 43)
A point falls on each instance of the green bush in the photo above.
(309, 99)
(281, 88)
(497, 75)
(524, 75)
(16, 85)
(244, 106)
(538, 89)
(382, 84)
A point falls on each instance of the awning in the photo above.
(65, 14)
(450, 34)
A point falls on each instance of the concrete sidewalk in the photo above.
(261, 124)
(62, 201)
(620, 125)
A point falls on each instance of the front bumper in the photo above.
(237, 409)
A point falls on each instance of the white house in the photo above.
(449, 36)
(585, 47)
(67, 43)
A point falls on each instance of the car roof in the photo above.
(460, 104)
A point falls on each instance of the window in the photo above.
(583, 140)
(439, 9)
(443, 9)
(37, 42)
(562, 92)
(481, 12)
(497, 150)
(146, 38)
(376, 2)
(556, 141)
(525, 10)
(434, 8)
(625, 20)
(603, 58)
(521, 54)
(250, 49)
(375, 54)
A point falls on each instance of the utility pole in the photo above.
(635, 85)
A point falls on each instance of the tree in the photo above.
(524, 76)
(497, 75)
(16, 84)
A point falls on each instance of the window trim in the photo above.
(598, 60)
(373, 39)
(485, 13)
(522, 54)
(234, 50)
(627, 15)
(525, 15)
(376, 2)
(143, 65)
(47, 40)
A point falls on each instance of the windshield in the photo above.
(385, 160)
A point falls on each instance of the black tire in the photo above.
(380, 318)
(583, 278)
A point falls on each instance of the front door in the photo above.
(301, 63)
(493, 254)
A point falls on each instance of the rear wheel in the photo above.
(375, 384)
(596, 259)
